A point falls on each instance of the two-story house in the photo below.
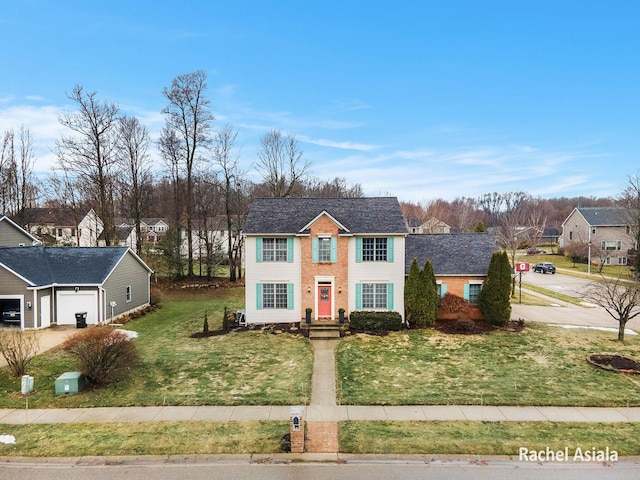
(63, 226)
(606, 229)
(323, 254)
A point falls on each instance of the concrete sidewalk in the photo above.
(323, 413)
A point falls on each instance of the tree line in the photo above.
(104, 161)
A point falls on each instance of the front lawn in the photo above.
(247, 368)
(541, 365)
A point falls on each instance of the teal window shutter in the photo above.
(466, 292)
(358, 249)
(390, 296)
(290, 296)
(314, 250)
(358, 296)
(258, 296)
(259, 250)
(443, 289)
(290, 249)
(334, 249)
(390, 249)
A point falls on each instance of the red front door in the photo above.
(324, 300)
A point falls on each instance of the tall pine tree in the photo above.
(412, 294)
(430, 289)
(494, 298)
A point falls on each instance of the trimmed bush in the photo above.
(367, 321)
(104, 355)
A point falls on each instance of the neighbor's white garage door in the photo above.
(69, 303)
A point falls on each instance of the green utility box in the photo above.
(70, 382)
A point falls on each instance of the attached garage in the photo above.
(69, 303)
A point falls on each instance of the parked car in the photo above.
(544, 267)
(11, 315)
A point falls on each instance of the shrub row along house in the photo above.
(40, 286)
(349, 254)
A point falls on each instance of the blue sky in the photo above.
(417, 99)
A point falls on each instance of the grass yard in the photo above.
(247, 368)
(485, 438)
(541, 365)
(152, 438)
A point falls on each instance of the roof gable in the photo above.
(359, 216)
(451, 253)
(6, 222)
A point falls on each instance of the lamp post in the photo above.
(589, 254)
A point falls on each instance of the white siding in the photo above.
(387, 272)
(271, 272)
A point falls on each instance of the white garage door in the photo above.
(69, 303)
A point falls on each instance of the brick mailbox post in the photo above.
(296, 428)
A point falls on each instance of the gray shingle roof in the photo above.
(62, 265)
(601, 216)
(362, 215)
(451, 253)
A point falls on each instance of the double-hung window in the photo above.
(374, 296)
(324, 249)
(474, 291)
(374, 249)
(274, 295)
(274, 249)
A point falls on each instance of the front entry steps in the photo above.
(324, 331)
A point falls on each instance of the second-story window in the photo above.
(324, 249)
(274, 249)
(374, 249)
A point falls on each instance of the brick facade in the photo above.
(455, 286)
(334, 272)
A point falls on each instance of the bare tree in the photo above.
(87, 154)
(281, 163)
(170, 147)
(188, 115)
(232, 177)
(132, 156)
(618, 296)
(17, 180)
(630, 200)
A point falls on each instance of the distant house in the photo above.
(125, 237)
(433, 225)
(49, 285)
(323, 254)
(606, 229)
(63, 226)
(460, 262)
(12, 235)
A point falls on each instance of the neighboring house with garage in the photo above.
(323, 254)
(49, 285)
(460, 262)
(13, 235)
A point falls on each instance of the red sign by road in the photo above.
(522, 267)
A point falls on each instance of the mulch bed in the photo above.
(476, 327)
(614, 363)
(276, 329)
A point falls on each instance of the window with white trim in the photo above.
(374, 296)
(474, 291)
(274, 249)
(610, 245)
(374, 249)
(324, 249)
(275, 295)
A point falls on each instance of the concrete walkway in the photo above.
(322, 414)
